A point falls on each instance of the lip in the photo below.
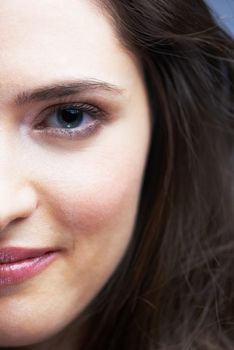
(19, 264)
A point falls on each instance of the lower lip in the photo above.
(20, 271)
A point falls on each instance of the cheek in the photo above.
(96, 197)
(96, 213)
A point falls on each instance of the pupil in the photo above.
(70, 118)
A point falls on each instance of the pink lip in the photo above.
(19, 264)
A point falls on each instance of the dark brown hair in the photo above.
(174, 288)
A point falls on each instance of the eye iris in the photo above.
(70, 118)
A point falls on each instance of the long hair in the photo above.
(174, 288)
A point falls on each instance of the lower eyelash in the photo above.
(70, 133)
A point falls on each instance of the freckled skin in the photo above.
(79, 195)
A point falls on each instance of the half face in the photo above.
(75, 130)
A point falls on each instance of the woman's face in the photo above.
(74, 136)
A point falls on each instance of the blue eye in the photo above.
(70, 117)
(70, 120)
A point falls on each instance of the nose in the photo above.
(17, 195)
(15, 204)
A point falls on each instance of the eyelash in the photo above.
(96, 114)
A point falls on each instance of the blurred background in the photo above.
(224, 10)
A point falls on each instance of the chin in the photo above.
(15, 336)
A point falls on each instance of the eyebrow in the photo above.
(63, 89)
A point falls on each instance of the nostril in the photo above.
(7, 220)
(17, 220)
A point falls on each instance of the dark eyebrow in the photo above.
(62, 89)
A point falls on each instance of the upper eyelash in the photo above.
(84, 107)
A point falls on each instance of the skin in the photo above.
(79, 195)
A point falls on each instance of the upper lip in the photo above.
(14, 254)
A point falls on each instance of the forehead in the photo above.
(23, 20)
(42, 40)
